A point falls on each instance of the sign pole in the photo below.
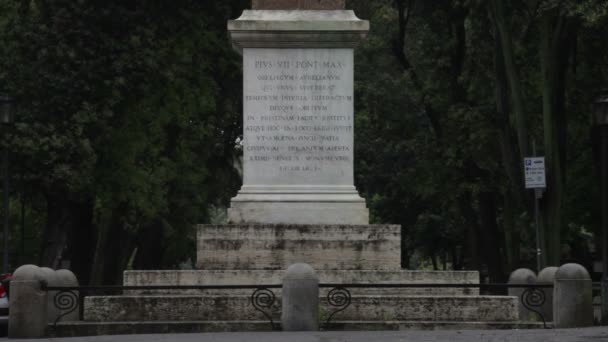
(535, 177)
(538, 194)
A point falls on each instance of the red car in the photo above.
(4, 280)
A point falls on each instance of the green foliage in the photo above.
(132, 104)
(129, 112)
(432, 144)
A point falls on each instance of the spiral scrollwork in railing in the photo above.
(339, 298)
(533, 298)
(66, 302)
(262, 300)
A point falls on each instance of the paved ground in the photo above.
(566, 335)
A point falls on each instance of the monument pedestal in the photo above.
(256, 254)
(276, 247)
(298, 117)
(298, 205)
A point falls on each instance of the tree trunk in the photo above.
(54, 236)
(489, 236)
(557, 38)
(114, 247)
(149, 248)
(473, 229)
(515, 192)
(497, 13)
(81, 242)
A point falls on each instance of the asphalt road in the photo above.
(599, 334)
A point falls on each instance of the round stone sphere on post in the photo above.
(572, 297)
(300, 297)
(28, 272)
(547, 276)
(522, 276)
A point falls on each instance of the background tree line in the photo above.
(128, 113)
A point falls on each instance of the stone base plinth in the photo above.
(238, 308)
(270, 277)
(298, 205)
(299, 212)
(375, 329)
(276, 247)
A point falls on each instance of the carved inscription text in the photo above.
(298, 120)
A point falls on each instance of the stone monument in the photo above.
(298, 202)
(298, 122)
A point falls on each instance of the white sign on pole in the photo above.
(535, 173)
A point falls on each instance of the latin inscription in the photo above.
(298, 122)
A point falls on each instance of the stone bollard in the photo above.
(547, 276)
(572, 297)
(522, 276)
(48, 275)
(300, 310)
(68, 300)
(28, 310)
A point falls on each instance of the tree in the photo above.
(131, 132)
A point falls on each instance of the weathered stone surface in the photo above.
(67, 278)
(298, 139)
(51, 279)
(432, 308)
(467, 330)
(269, 208)
(547, 276)
(363, 308)
(300, 299)
(572, 297)
(298, 4)
(312, 29)
(298, 130)
(28, 310)
(28, 272)
(258, 277)
(298, 116)
(174, 308)
(338, 247)
(522, 276)
(83, 328)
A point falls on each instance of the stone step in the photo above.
(252, 277)
(277, 246)
(239, 308)
(75, 329)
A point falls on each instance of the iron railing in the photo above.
(69, 299)
(532, 298)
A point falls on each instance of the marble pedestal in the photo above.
(328, 206)
(298, 117)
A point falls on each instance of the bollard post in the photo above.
(572, 297)
(48, 275)
(67, 301)
(522, 276)
(300, 297)
(547, 276)
(27, 310)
